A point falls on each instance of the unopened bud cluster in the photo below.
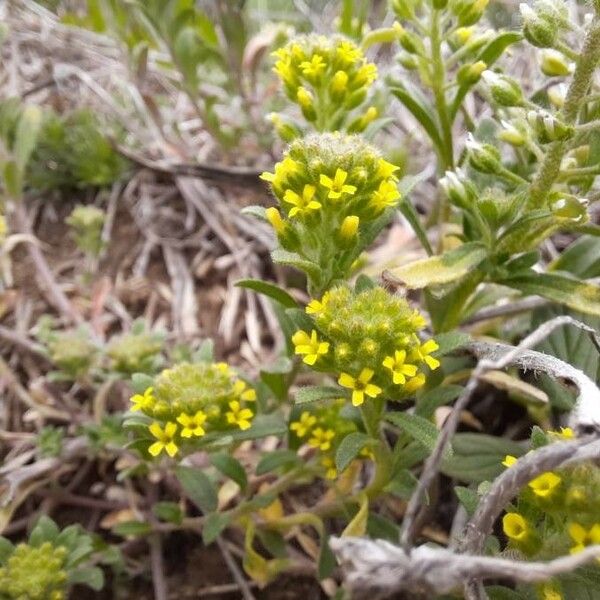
(327, 77)
(34, 573)
(331, 190)
(189, 401)
(369, 340)
(134, 352)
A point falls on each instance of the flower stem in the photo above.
(576, 94)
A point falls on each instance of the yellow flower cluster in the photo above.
(333, 190)
(369, 339)
(327, 77)
(190, 401)
(323, 427)
(557, 511)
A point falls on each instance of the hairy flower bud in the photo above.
(504, 90)
(459, 190)
(468, 12)
(542, 23)
(547, 128)
(470, 74)
(483, 157)
(511, 134)
(554, 64)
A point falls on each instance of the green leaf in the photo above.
(317, 392)
(411, 215)
(349, 448)
(364, 282)
(478, 457)
(12, 179)
(576, 294)
(26, 135)
(258, 212)
(327, 561)
(169, 512)
(230, 467)
(291, 259)
(45, 530)
(358, 525)
(420, 429)
(6, 549)
(450, 341)
(582, 258)
(268, 289)
(378, 527)
(92, 577)
(436, 270)
(402, 484)
(439, 396)
(132, 528)
(468, 498)
(214, 524)
(198, 487)
(205, 352)
(275, 460)
(420, 109)
(140, 382)
(276, 376)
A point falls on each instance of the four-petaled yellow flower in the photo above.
(400, 370)
(387, 169)
(321, 438)
(415, 383)
(565, 433)
(360, 386)
(316, 306)
(165, 439)
(422, 353)
(241, 389)
(544, 485)
(304, 203)
(239, 416)
(366, 75)
(143, 401)
(192, 424)
(386, 195)
(310, 346)
(313, 67)
(509, 460)
(337, 185)
(288, 166)
(515, 527)
(583, 537)
(303, 425)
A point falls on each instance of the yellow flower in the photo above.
(241, 389)
(415, 383)
(310, 346)
(386, 169)
(366, 75)
(316, 306)
(288, 166)
(302, 203)
(165, 439)
(348, 53)
(329, 464)
(339, 82)
(400, 370)
(313, 67)
(565, 433)
(304, 97)
(192, 425)
(423, 352)
(386, 195)
(544, 485)
(515, 527)
(321, 438)
(283, 68)
(239, 416)
(349, 227)
(143, 401)
(509, 460)
(304, 424)
(336, 186)
(360, 386)
(583, 537)
(549, 591)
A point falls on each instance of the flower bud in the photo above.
(459, 190)
(538, 28)
(274, 218)
(511, 135)
(439, 4)
(410, 42)
(349, 228)
(306, 101)
(470, 74)
(339, 84)
(553, 64)
(468, 12)
(547, 127)
(461, 36)
(408, 61)
(483, 157)
(362, 122)
(285, 130)
(557, 95)
(504, 90)
(405, 9)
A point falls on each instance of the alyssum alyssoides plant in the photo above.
(523, 183)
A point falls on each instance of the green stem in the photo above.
(586, 65)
